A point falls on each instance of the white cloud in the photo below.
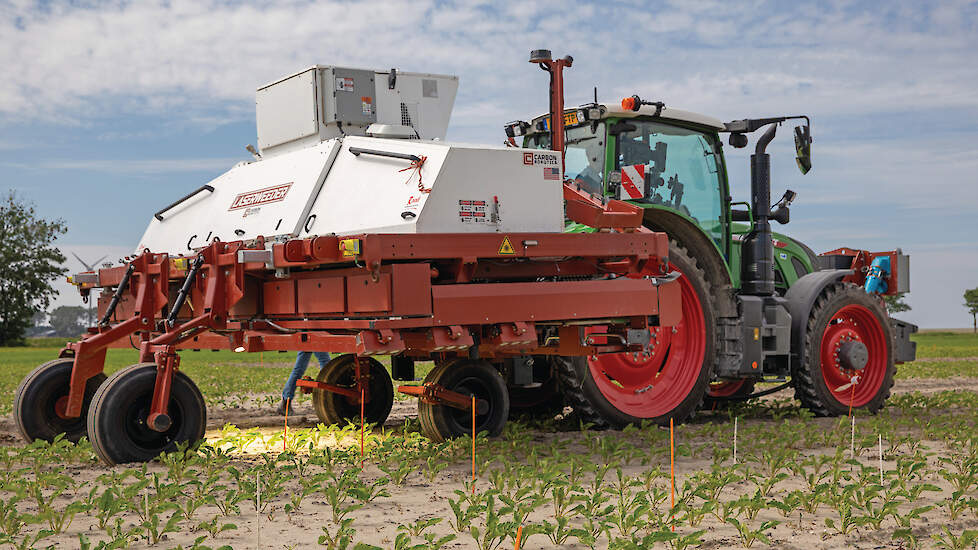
(131, 166)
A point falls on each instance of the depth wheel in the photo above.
(848, 336)
(669, 382)
(468, 377)
(40, 401)
(333, 408)
(117, 417)
(729, 391)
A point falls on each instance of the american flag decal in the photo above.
(551, 173)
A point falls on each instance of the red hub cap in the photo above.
(649, 385)
(853, 324)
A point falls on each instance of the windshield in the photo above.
(583, 156)
(674, 167)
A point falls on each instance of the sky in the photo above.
(111, 110)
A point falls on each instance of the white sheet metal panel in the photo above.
(260, 198)
(428, 100)
(368, 193)
(287, 110)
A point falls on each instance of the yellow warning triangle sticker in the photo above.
(506, 247)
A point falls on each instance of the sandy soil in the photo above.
(377, 523)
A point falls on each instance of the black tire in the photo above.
(721, 399)
(117, 417)
(811, 387)
(582, 393)
(36, 398)
(469, 377)
(333, 408)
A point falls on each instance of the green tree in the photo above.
(69, 321)
(971, 302)
(895, 303)
(29, 263)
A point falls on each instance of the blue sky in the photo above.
(110, 110)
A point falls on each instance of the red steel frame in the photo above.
(421, 295)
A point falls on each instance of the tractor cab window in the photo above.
(674, 167)
(583, 154)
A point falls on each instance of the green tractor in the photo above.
(758, 306)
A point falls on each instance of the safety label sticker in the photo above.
(506, 247)
(344, 84)
(367, 104)
(472, 211)
(633, 181)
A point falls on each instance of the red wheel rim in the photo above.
(855, 323)
(654, 384)
(725, 388)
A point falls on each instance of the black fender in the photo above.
(801, 297)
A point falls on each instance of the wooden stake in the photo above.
(288, 404)
(735, 441)
(258, 509)
(672, 469)
(473, 455)
(852, 438)
(362, 430)
(881, 460)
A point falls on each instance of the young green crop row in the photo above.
(794, 475)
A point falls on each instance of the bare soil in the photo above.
(377, 523)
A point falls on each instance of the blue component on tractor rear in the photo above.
(879, 271)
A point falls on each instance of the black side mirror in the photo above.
(803, 148)
(738, 141)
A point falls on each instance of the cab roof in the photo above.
(615, 110)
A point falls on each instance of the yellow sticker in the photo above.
(506, 247)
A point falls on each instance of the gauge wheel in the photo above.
(467, 377)
(728, 391)
(848, 353)
(333, 408)
(117, 417)
(668, 381)
(41, 398)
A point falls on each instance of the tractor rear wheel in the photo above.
(39, 404)
(668, 382)
(468, 377)
(117, 417)
(848, 353)
(333, 408)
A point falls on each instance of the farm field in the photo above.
(904, 478)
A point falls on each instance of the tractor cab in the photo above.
(668, 161)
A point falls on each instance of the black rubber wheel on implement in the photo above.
(117, 417)
(846, 328)
(333, 408)
(468, 377)
(670, 381)
(40, 400)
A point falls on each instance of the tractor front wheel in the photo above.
(848, 353)
(669, 381)
(117, 417)
(40, 401)
(333, 408)
(471, 378)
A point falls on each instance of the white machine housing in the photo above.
(325, 102)
(308, 182)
